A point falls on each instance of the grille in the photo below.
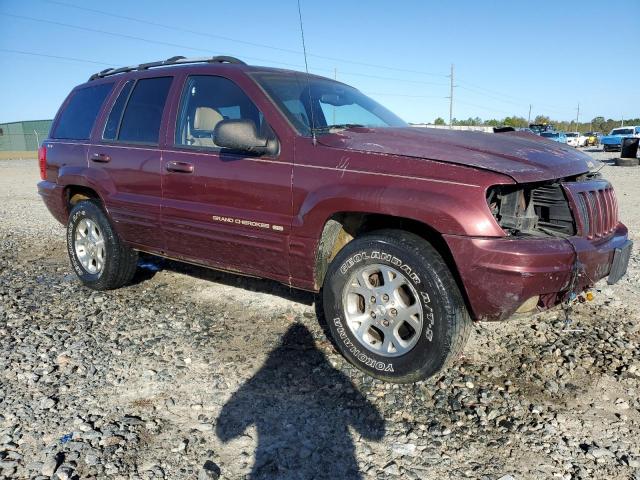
(598, 212)
(552, 210)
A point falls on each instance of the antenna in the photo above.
(306, 67)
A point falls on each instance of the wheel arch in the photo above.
(343, 227)
(74, 193)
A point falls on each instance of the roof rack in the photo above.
(178, 60)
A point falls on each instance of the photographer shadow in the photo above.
(302, 408)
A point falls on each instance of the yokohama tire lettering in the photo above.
(357, 353)
(70, 244)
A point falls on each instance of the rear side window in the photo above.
(143, 114)
(113, 122)
(79, 115)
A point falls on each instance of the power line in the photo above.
(57, 57)
(187, 47)
(244, 42)
(501, 96)
(389, 94)
(94, 62)
(473, 90)
(137, 38)
(485, 108)
(471, 87)
(420, 82)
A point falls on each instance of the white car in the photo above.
(576, 139)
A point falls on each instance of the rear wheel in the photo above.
(98, 256)
(393, 308)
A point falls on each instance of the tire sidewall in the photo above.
(429, 353)
(87, 209)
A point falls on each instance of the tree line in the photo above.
(597, 124)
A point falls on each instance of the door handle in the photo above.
(179, 167)
(100, 158)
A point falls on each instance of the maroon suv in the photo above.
(408, 233)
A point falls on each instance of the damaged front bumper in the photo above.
(501, 274)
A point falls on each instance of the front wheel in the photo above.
(98, 256)
(393, 307)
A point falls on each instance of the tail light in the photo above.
(42, 160)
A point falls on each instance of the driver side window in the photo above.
(206, 101)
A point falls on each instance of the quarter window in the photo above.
(77, 119)
(208, 100)
(143, 114)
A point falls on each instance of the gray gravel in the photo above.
(190, 373)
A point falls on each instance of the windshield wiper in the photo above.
(338, 126)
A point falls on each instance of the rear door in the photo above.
(127, 156)
(221, 208)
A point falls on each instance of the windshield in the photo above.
(622, 131)
(571, 134)
(549, 134)
(334, 104)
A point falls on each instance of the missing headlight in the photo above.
(534, 210)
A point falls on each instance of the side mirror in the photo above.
(242, 136)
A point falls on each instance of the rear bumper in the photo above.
(500, 274)
(54, 197)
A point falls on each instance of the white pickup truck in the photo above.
(576, 139)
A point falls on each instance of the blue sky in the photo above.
(507, 54)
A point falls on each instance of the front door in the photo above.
(220, 208)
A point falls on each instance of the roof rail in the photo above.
(178, 60)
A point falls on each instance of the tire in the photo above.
(626, 162)
(425, 287)
(98, 256)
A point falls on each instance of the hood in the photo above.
(522, 156)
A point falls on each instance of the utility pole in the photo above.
(577, 116)
(451, 98)
(529, 118)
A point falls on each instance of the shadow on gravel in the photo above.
(302, 408)
(150, 264)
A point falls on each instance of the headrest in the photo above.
(206, 118)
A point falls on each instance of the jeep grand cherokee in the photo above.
(408, 234)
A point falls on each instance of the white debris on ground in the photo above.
(192, 373)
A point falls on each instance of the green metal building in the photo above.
(23, 136)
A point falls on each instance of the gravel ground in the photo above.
(190, 373)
